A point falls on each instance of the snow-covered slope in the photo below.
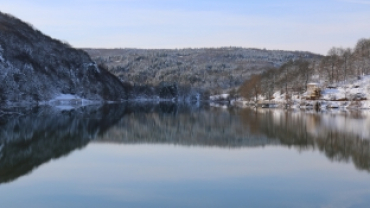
(350, 94)
(356, 90)
(35, 68)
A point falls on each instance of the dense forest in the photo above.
(213, 69)
(340, 66)
(35, 69)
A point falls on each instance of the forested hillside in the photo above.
(215, 69)
(341, 67)
(35, 67)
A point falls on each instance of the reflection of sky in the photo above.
(174, 176)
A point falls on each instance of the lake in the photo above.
(168, 155)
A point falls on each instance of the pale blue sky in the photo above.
(314, 25)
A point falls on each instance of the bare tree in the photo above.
(345, 55)
(333, 60)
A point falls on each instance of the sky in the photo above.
(311, 25)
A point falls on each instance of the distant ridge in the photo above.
(209, 68)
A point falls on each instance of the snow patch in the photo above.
(359, 89)
(355, 94)
(68, 102)
(219, 97)
(66, 97)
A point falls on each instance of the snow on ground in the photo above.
(355, 94)
(358, 89)
(333, 94)
(66, 97)
(219, 97)
(278, 97)
(68, 102)
(65, 100)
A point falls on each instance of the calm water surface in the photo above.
(166, 155)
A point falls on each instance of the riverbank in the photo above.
(353, 94)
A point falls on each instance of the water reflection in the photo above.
(341, 135)
(31, 137)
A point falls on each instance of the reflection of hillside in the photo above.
(244, 128)
(191, 127)
(32, 138)
(339, 142)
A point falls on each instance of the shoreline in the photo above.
(306, 104)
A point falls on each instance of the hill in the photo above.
(343, 76)
(215, 69)
(35, 67)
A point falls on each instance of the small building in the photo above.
(313, 91)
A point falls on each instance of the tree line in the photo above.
(340, 65)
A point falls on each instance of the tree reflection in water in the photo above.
(32, 137)
(341, 135)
